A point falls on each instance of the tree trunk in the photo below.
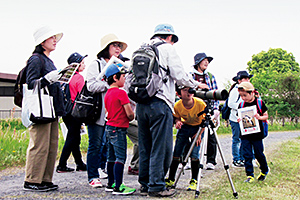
(283, 121)
(271, 120)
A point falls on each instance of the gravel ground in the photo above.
(75, 185)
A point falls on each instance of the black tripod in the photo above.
(206, 125)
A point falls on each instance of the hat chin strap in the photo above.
(203, 71)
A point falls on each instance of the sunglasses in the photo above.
(117, 45)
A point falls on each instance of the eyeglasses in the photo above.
(117, 45)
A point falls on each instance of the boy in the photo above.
(119, 113)
(187, 122)
(254, 140)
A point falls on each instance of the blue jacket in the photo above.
(36, 70)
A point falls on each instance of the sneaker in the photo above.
(95, 183)
(37, 187)
(261, 176)
(187, 166)
(81, 168)
(193, 185)
(169, 183)
(63, 169)
(254, 163)
(132, 171)
(210, 166)
(237, 164)
(110, 188)
(165, 193)
(143, 191)
(102, 173)
(123, 190)
(50, 185)
(249, 179)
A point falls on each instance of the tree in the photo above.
(276, 76)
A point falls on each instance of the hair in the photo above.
(196, 66)
(104, 53)
(245, 90)
(110, 80)
(39, 49)
(164, 36)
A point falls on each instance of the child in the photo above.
(254, 140)
(187, 122)
(119, 113)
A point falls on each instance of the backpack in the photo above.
(21, 79)
(226, 109)
(68, 104)
(265, 122)
(146, 79)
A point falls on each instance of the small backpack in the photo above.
(265, 122)
(226, 109)
(68, 104)
(146, 79)
(21, 79)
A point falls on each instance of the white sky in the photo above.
(230, 31)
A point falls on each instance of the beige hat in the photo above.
(45, 32)
(247, 86)
(110, 38)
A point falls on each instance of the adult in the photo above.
(72, 143)
(233, 102)
(110, 46)
(155, 119)
(43, 142)
(208, 81)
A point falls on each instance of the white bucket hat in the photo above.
(45, 32)
(110, 38)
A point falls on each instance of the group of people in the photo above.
(149, 125)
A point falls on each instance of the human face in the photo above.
(203, 65)
(121, 81)
(169, 40)
(246, 96)
(82, 66)
(185, 95)
(243, 80)
(115, 49)
(49, 44)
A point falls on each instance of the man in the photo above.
(209, 82)
(155, 119)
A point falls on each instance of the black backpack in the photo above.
(226, 109)
(145, 79)
(68, 104)
(21, 79)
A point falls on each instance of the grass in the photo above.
(283, 182)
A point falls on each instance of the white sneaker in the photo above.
(254, 163)
(95, 183)
(187, 166)
(102, 174)
(179, 166)
(210, 166)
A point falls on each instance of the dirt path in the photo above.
(75, 185)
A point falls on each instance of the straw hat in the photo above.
(110, 38)
(45, 32)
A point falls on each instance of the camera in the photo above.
(212, 94)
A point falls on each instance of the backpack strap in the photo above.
(99, 65)
(242, 104)
(210, 76)
(154, 47)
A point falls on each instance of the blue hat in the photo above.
(115, 68)
(75, 58)
(165, 29)
(201, 56)
(240, 75)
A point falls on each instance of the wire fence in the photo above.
(12, 113)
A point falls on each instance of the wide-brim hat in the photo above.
(240, 75)
(45, 32)
(110, 38)
(165, 29)
(75, 58)
(201, 56)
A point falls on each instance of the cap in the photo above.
(75, 58)
(247, 86)
(115, 68)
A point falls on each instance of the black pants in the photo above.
(72, 143)
(211, 148)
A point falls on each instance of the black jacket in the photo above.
(36, 69)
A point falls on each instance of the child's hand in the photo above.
(178, 124)
(257, 116)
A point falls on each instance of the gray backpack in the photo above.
(145, 78)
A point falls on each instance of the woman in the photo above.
(110, 46)
(72, 143)
(43, 142)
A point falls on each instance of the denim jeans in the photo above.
(155, 122)
(116, 144)
(182, 140)
(236, 141)
(248, 146)
(95, 144)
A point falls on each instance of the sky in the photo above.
(229, 31)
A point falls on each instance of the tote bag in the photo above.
(38, 106)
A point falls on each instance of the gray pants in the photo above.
(132, 133)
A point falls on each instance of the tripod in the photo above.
(205, 126)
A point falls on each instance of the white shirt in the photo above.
(233, 103)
